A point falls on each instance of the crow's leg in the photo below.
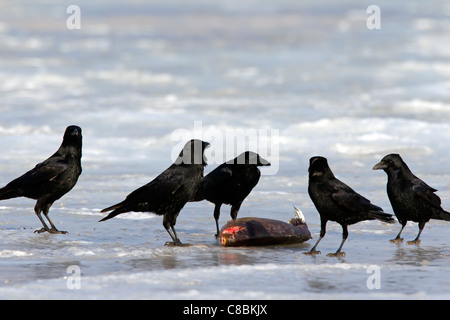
(169, 224)
(177, 240)
(339, 253)
(397, 239)
(234, 210)
(416, 240)
(45, 228)
(174, 239)
(53, 228)
(38, 210)
(323, 230)
(216, 217)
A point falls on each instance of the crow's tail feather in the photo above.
(114, 207)
(8, 193)
(109, 216)
(116, 210)
(382, 216)
(442, 215)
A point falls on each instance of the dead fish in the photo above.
(263, 231)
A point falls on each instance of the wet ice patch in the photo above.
(14, 253)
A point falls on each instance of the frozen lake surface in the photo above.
(307, 78)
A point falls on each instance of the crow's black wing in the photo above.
(38, 179)
(163, 186)
(217, 176)
(426, 193)
(349, 200)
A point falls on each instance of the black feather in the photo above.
(51, 179)
(168, 193)
(336, 201)
(230, 183)
(411, 198)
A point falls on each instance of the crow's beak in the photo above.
(263, 162)
(380, 166)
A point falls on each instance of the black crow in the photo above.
(336, 201)
(51, 179)
(168, 193)
(411, 198)
(231, 183)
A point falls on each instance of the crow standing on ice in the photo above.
(167, 194)
(51, 179)
(411, 198)
(231, 183)
(336, 201)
